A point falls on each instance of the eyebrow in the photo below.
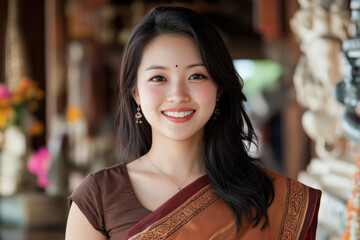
(195, 65)
(152, 67)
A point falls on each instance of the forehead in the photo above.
(171, 49)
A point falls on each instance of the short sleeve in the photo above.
(88, 198)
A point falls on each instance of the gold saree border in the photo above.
(168, 225)
(296, 204)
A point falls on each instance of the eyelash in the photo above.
(200, 76)
(157, 77)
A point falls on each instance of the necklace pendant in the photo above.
(179, 188)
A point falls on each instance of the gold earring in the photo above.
(138, 115)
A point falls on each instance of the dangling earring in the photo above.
(138, 115)
(217, 110)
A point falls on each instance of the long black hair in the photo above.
(233, 174)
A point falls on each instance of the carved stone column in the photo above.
(321, 27)
(348, 93)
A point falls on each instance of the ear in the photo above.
(136, 97)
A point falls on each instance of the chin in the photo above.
(183, 136)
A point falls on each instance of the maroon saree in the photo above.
(196, 212)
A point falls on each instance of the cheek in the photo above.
(206, 94)
(150, 96)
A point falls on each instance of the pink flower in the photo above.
(4, 92)
(39, 164)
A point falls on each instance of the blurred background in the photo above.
(59, 64)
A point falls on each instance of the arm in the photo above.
(78, 227)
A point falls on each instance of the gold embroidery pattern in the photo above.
(294, 213)
(179, 217)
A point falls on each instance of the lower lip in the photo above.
(179, 119)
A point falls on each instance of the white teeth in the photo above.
(178, 114)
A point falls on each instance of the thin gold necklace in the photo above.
(179, 186)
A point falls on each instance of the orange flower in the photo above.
(3, 121)
(36, 129)
(4, 103)
(17, 99)
(27, 88)
(74, 113)
(6, 116)
(30, 93)
(24, 83)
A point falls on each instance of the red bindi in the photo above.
(176, 65)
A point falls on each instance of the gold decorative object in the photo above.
(15, 53)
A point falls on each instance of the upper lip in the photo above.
(181, 109)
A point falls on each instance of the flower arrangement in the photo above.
(12, 105)
(17, 124)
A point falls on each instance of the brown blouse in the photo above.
(108, 201)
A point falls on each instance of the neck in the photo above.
(178, 157)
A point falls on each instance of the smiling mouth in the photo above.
(177, 114)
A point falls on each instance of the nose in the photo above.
(179, 92)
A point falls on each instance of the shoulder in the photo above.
(110, 173)
(107, 200)
(102, 181)
(285, 184)
(298, 203)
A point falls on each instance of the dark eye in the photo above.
(158, 79)
(197, 76)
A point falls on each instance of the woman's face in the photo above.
(176, 94)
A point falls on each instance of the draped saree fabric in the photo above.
(107, 199)
(196, 212)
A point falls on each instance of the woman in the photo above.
(181, 116)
